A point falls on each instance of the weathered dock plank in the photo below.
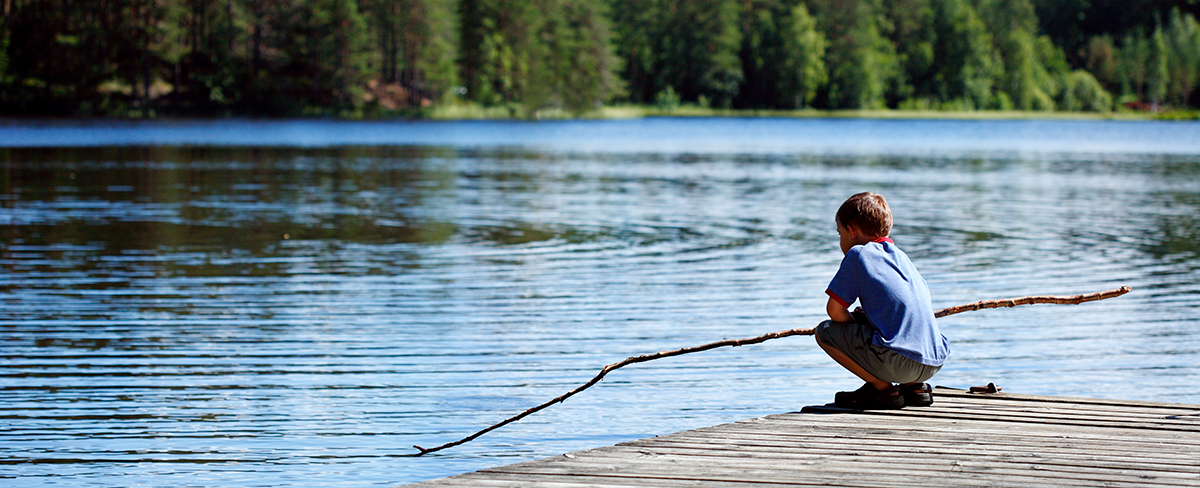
(964, 439)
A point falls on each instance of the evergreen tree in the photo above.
(1183, 62)
(415, 47)
(803, 68)
(206, 76)
(322, 48)
(1158, 74)
(581, 64)
(1063, 22)
(782, 55)
(1054, 77)
(699, 50)
(690, 48)
(1102, 62)
(286, 57)
(498, 49)
(962, 51)
(636, 37)
(542, 53)
(862, 63)
(4, 42)
(912, 34)
(761, 53)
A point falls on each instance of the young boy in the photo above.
(894, 337)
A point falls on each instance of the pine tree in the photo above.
(962, 50)
(321, 64)
(1102, 61)
(1133, 63)
(782, 55)
(581, 64)
(862, 63)
(698, 53)
(803, 66)
(499, 48)
(637, 35)
(415, 47)
(1159, 75)
(1183, 62)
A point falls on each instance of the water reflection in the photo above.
(284, 316)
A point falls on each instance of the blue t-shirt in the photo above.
(895, 299)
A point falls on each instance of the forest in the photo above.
(387, 58)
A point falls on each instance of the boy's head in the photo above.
(866, 216)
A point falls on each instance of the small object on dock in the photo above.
(963, 439)
(990, 388)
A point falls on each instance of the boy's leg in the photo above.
(838, 338)
(853, 367)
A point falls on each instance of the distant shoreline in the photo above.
(618, 112)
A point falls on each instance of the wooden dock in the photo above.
(964, 439)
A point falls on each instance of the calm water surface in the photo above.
(246, 303)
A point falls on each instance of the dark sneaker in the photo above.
(917, 394)
(868, 398)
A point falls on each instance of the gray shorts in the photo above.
(855, 340)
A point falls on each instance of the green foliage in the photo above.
(636, 37)
(699, 50)
(1082, 92)
(566, 57)
(4, 42)
(1179, 115)
(667, 99)
(1062, 21)
(415, 51)
(762, 52)
(691, 46)
(1183, 60)
(313, 53)
(1102, 61)
(581, 64)
(497, 47)
(1023, 78)
(1133, 64)
(782, 55)
(803, 64)
(962, 51)
(862, 63)
(1157, 74)
(534, 55)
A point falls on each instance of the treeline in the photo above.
(402, 57)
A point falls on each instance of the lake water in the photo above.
(297, 303)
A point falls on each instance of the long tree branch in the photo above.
(1009, 302)
(1012, 302)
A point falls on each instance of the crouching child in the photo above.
(892, 342)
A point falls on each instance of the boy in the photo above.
(893, 337)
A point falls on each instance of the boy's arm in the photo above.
(837, 312)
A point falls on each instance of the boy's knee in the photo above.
(820, 333)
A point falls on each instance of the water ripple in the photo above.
(301, 317)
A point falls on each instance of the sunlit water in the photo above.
(244, 303)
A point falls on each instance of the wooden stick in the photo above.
(626, 362)
(1010, 302)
